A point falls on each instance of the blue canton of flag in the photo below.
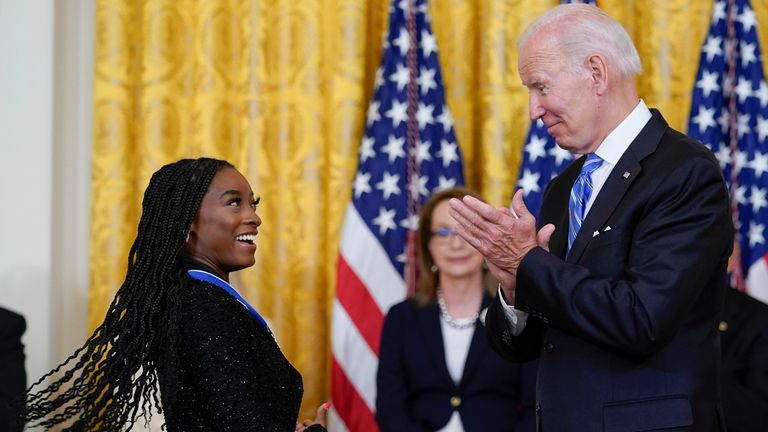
(734, 106)
(380, 194)
(543, 159)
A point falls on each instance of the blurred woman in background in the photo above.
(436, 370)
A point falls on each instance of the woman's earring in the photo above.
(485, 265)
(433, 268)
(187, 240)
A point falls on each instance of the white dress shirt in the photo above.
(610, 151)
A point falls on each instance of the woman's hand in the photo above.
(320, 418)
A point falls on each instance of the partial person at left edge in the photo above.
(176, 324)
(13, 376)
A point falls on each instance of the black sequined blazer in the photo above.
(232, 375)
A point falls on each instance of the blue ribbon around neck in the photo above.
(221, 283)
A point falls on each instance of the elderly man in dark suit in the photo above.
(13, 379)
(618, 293)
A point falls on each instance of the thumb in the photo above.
(518, 205)
(543, 236)
(322, 413)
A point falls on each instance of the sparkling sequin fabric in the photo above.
(232, 375)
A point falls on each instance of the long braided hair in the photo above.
(111, 381)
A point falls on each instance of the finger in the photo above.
(484, 210)
(543, 236)
(518, 205)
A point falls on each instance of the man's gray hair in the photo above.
(581, 30)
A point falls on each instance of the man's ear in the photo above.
(598, 69)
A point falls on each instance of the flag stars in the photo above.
(445, 119)
(422, 152)
(400, 77)
(747, 52)
(361, 184)
(741, 160)
(719, 12)
(561, 155)
(388, 185)
(373, 113)
(756, 233)
(529, 182)
(424, 115)
(705, 118)
(741, 195)
(747, 18)
(757, 199)
(418, 186)
(759, 164)
(723, 156)
(385, 220)
(410, 223)
(444, 183)
(762, 94)
(724, 120)
(428, 43)
(394, 148)
(762, 128)
(708, 83)
(402, 41)
(426, 80)
(398, 113)
(448, 153)
(713, 47)
(366, 149)
(742, 124)
(535, 148)
(743, 89)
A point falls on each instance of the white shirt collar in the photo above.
(617, 142)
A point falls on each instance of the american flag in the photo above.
(542, 159)
(729, 114)
(399, 166)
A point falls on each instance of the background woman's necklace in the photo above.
(457, 323)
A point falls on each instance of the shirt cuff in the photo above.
(516, 318)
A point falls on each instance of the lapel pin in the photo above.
(607, 228)
(594, 234)
(626, 174)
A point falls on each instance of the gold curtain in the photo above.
(280, 88)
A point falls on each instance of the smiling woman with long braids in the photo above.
(178, 325)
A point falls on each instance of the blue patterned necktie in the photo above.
(580, 193)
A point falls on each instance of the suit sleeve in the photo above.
(523, 347)
(392, 408)
(680, 240)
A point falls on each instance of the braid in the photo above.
(112, 380)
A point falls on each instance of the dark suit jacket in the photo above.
(626, 326)
(13, 377)
(414, 388)
(744, 336)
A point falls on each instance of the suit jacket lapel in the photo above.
(622, 176)
(429, 326)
